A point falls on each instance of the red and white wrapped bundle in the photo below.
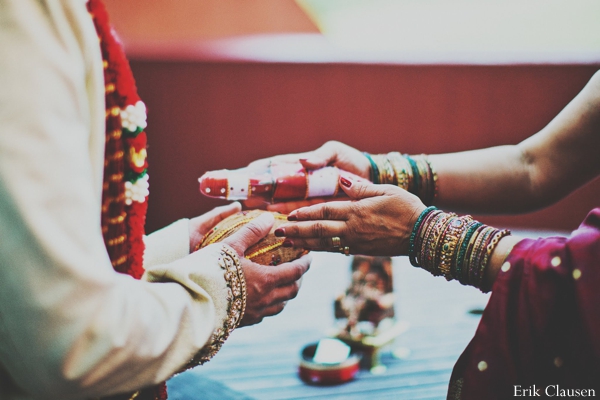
(277, 182)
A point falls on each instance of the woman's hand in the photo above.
(268, 287)
(332, 153)
(200, 225)
(377, 221)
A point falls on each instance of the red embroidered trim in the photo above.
(122, 224)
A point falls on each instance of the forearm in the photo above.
(498, 259)
(492, 180)
(532, 174)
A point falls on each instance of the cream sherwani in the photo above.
(70, 327)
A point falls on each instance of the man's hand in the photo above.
(200, 225)
(268, 287)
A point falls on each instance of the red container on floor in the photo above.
(326, 374)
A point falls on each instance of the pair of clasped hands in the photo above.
(372, 220)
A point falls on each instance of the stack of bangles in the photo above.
(456, 247)
(413, 174)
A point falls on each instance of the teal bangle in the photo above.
(411, 252)
(416, 177)
(374, 169)
(460, 259)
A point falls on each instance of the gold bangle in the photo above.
(400, 166)
(433, 181)
(488, 253)
(386, 171)
(451, 238)
(436, 245)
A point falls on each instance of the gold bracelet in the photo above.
(386, 171)
(488, 253)
(437, 244)
(400, 166)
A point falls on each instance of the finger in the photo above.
(290, 206)
(251, 233)
(323, 156)
(218, 214)
(313, 230)
(290, 272)
(325, 243)
(255, 203)
(360, 189)
(333, 210)
(273, 310)
(284, 293)
(285, 158)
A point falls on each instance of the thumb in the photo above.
(321, 157)
(358, 189)
(314, 162)
(251, 233)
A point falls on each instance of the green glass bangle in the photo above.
(416, 176)
(463, 251)
(411, 252)
(374, 169)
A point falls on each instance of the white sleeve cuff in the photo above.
(167, 244)
(214, 277)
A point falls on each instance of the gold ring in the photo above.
(336, 241)
(345, 250)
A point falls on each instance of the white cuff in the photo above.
(167, 244)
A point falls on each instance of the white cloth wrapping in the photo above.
(71, 327)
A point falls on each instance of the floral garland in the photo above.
(125, 185)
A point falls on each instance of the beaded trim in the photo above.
(236, 298)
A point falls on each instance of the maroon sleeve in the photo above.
(542, 324)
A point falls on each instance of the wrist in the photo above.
(498, 260)
(414, 174)
(458, 248)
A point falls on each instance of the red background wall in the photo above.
(207, 115)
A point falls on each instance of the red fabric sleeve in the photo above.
(542, 324)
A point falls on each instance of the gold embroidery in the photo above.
(116, 134)
(117, 219)
(116, 241)
(110, 200)
(236, 284)
(116, 177)
(455, 390)
(121, 260)
(117, 156)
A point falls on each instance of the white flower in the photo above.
(134, 116)
(136, 191)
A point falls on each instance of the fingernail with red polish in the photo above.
(293, 217)
(287, 243)
(345, 182)
(279, 232)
